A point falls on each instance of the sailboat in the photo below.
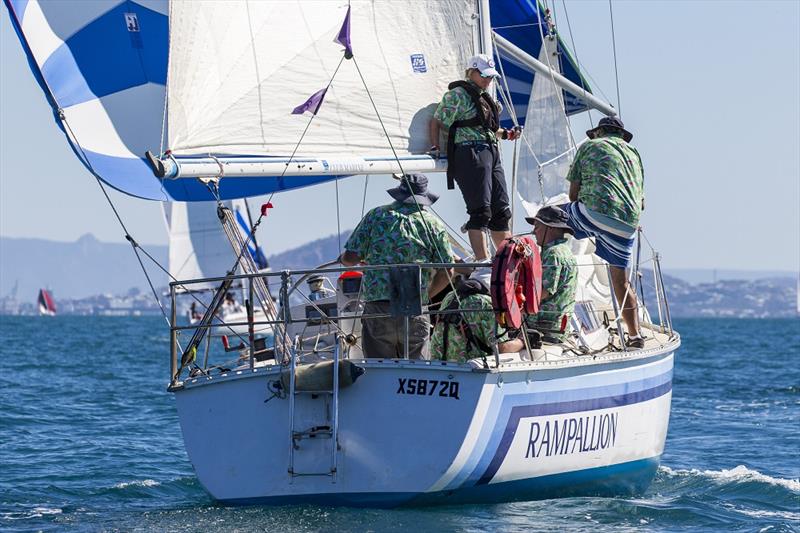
(47, 306)
(196, 101)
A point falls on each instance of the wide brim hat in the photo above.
(315, 277)
(612, 123)
(413, 188)
(551, 216)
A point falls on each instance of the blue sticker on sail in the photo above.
(418, 63)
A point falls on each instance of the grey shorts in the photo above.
(479, 174)
(384, 338)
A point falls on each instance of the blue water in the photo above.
(89, 440)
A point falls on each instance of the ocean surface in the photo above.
(89, 441)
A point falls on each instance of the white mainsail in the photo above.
(237, 69)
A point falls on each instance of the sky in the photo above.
(710, 89)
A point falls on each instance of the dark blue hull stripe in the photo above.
(524, 411)
(622, 479)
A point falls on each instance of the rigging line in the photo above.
(509, 104)
(338, 214)
(364, 199)
(425, 223)
(581, 67)
(310, 120)
(558, 91)
(575, 51)
(614, 46)
(128, 236)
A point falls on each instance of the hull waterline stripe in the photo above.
(624, 478)
(525, 411)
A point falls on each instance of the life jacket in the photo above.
(487, 116)
(516, 280)
(464, 289)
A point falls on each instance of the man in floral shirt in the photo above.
(472, 118)
(398, 233)
(469, 334)
(607, 199)
(559, 274)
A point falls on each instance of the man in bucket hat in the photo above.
(559, 274)
(606, 200)
(472, 118)
(397, 233)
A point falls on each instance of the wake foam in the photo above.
(735, 475)
(36, 512)
(137, 483)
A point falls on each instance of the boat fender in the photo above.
(319, 376)
(516, 280)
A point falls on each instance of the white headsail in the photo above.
(547, 148)
(197, 246)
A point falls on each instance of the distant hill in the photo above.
(310, 255)
(72, 269)
(88, 267)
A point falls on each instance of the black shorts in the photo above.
(479, 175)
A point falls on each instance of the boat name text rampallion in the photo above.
(568, 435)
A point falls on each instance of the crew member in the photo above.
(606, 200)
(472, 117)
(317, 288)
(398, 233)
(559, 274)
(468, 334)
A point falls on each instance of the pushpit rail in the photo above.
(286, 355)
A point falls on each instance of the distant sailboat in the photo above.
(47, 306)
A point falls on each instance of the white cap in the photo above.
(485, 64)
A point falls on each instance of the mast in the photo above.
(486, 28)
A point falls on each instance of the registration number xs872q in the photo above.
(428, 387)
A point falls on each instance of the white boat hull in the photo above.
(429, 432)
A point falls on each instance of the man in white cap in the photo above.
(472, 117)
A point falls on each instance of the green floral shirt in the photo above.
(611, 176)
(482, 325)
(396, 234)
(457, 105)
(560, 280)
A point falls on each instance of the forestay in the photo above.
(237, 69)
